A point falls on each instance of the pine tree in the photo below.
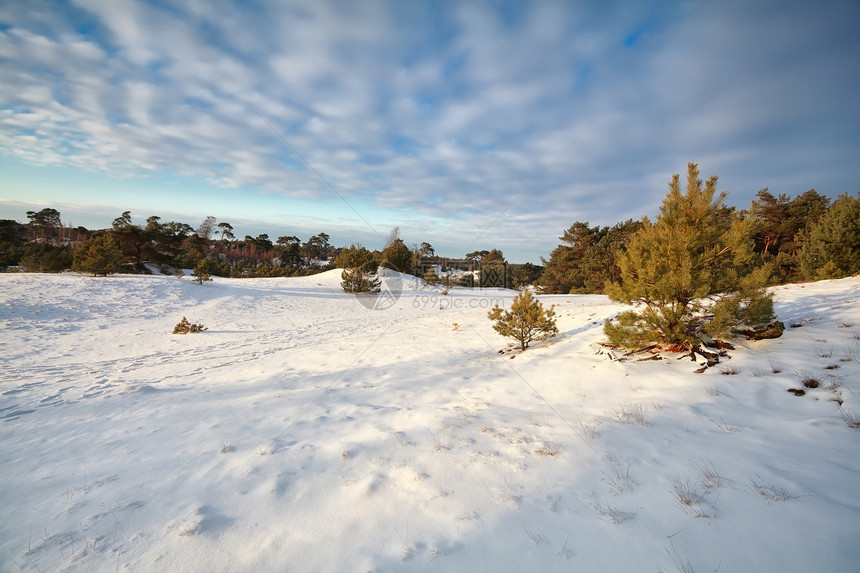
(359, 280)
(697, 250)
(44, 258)
(201, 272)
(587, 258)
(831, 248)
(98, 255)
(526, 322)
(779, 226)
(359, 270)
(398, 257)
(430, 277)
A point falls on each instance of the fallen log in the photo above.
(772, 330)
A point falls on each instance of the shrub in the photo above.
(98, 255)
(353, 256)
(185, 327)
(200, 274)
(696, 251)
(359, 279)
(431, 278)
(527, 320)
(359, 270)
(42, 258)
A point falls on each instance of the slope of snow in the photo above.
(307, 431)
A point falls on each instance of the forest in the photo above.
(807, 237)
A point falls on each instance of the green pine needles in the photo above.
(98, 255)
(689, 272)
(359, 270)
(831, 247)
(526, 322)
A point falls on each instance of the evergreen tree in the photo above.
(44, 258)
(45, 222)
(779, 225)
(98, 255)
(316, 247)
(426, 251)
(10, 255)
(587, 259)
(430, 277)
(201, 271)
(831, 247)
(697, 249)
(355, 256)
(397, 256)
(563, 273)
(467, 280)
(359, 280)
(524, 275)
(289, 250)
(226, 230)
(526, 322)
(359, 270)
(494, 272)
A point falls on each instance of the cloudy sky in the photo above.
(470, 125)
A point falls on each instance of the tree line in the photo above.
(807, 237)
(45, 244)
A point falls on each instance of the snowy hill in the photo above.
(307, 431)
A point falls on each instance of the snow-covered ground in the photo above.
(304, 431)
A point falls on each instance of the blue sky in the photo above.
(470, 125)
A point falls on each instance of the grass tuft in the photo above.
(769, 491)
(807, 378)
(850, 417)
(709, 477)
(611, 512)
(631, 414)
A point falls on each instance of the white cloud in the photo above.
(446, 112)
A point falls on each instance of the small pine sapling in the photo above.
(200, 274)
(185, 327)
(526, 322)
(360, 280)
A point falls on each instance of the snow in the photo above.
(307, 431)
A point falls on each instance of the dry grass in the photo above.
(612, 512)
(850, 417)
(807, 378)
(631, 414)
(769, 491)
(689, 497)
(823, 352)
(619, 474)
(709, 477)
(722, 425)
(547, 450)
(589, 427)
